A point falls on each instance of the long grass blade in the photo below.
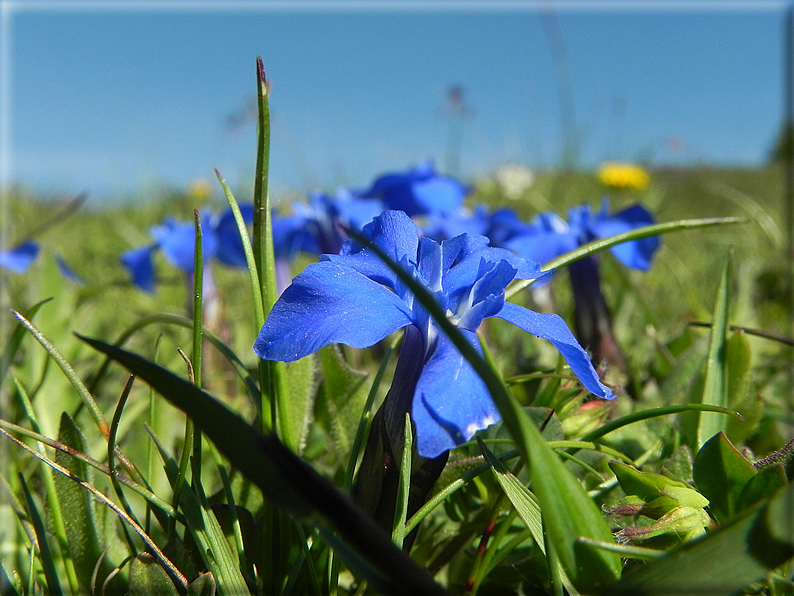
(605, 243)
(715, 390)
(259, 310)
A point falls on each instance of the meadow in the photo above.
(282, 479)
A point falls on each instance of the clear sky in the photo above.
(117, 97)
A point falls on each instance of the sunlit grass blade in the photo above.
(525, 504)
(16, 340)
(635, 234)
(724, 561)
(198, 335)
(134, 486)
(714, 385)
(568, 510)
(614, 425)
(270, 373)
(259, 311)
(282, 476)
(74, 379)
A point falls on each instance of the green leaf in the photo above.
(344, 392)
(80, 515)
(714, 387)
(762, 486)
(7, 587)
(204, 585)
(720, 474)
(738, 360)
(665, 493)
(525, 504)
(724, 561)
(296, 415)
(148, 577)
(281, 475)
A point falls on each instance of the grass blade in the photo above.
(70, 373)
(16, 340)
(215, 551)
(605, 243)
(614, 425)
(259, 311)
(714, 387)
(403, 486)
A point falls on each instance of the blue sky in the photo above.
(121, 101)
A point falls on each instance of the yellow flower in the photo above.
(623, 175)
(200, 188)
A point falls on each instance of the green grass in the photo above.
(241, 533)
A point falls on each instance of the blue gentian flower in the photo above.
(550, 236)
(20, 258)
(442, 226)
(319, 226)
(355, 299)
(220, 240)
(419, 191)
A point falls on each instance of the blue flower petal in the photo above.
(553, 328)
(138, 262)
(20, 258)
(439, 194)
(451, 402)
(291, 235)
(178, 240)
(542, 246)
(356, 212)
(395, 234)
(230, 247)
(418, 191)
(637, 253)
(329, 303)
